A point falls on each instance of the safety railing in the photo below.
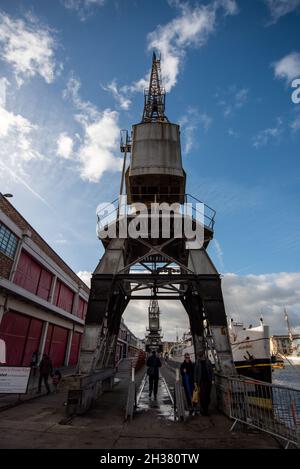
(179, 402)
(270, 408)
(119, 209)
(131, 397)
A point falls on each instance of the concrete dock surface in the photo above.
(42, 423)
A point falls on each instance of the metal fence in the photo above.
(270, 408)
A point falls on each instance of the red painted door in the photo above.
(13, 330)
(75, 348)
(48, 339)
(58, 346)
(33, 340)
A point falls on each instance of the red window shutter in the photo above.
(20, 275)
(13, 330)
(80, 310)
(28, 273)
(33, 276)
(65, 299)
(44, 285)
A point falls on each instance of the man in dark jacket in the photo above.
(203, 378)
(46, 370)
(187, 374)
(153, 364)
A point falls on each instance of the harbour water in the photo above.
(288, 376)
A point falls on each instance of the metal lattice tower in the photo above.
(154, 105)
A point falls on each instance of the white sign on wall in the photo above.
(14, 379)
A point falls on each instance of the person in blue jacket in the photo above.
(187, 369)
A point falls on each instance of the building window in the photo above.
(8, 241)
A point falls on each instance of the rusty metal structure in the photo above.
(153, 338)
(135, 268)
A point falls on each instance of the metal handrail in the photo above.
(210, 218)
(273, 409)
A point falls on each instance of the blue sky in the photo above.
(71, 75)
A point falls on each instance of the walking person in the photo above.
(153, 364)
(187, 374)
(46, 370)
(203, 379)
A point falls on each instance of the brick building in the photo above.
(42, 301)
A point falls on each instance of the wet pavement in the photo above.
(162, 407)
(38, 423)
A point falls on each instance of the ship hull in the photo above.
(259, 369)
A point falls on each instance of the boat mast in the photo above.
(286, 317)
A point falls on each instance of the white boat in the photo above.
(294, 357)
(250, 350)
(185, 345)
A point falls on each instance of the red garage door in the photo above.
(33, 340)
(74, 348)
(56, 344)
(21, 335)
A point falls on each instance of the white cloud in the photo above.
(84, 8)
(87, 110)
(96, 154)
(232, 100)
(173, 318)
(248, 297)
(85, 277)
(4, 83)
(100, 138)
(27, 47)
(233, 133)
(279, 8)
(270, 134)
(288, 67)
(190, 29)
(241, 97)
(295, 125)
(118, 95)
(219, 253)
(5, 170)
(189, 124)
(64, 146)
(16, 133)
